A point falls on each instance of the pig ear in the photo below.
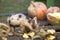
(33, 21)
(8, 19)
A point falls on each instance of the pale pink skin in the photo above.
(49, 17)
(53, 9)
(23, 21)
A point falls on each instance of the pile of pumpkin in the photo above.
(41, 11)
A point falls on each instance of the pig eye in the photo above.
(20, 16)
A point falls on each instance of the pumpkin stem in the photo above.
(33, 4)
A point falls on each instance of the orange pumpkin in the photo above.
(53, 9)
(37, 9)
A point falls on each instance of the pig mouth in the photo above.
(50, 17)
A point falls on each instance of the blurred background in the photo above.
(12, 6)
(19, 5)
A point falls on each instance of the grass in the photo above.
(18, 5)
(13, 5)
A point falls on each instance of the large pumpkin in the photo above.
(53, 9)
(37, 9)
